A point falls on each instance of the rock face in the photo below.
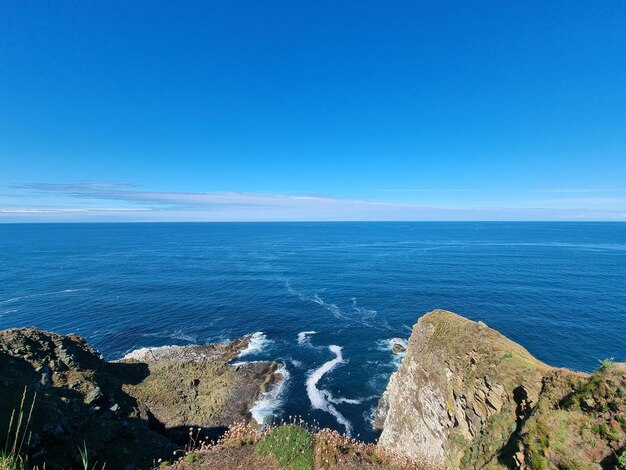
(127, 412)
(467, 397)
(197, 387)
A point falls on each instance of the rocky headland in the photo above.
(464, 397)
(467, 397)
(127, 413)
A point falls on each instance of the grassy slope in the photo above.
(289, 447)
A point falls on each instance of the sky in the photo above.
(325, 110)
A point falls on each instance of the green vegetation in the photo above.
(291, 445)
(578, 419)
(621, 460)
(11, 457)
(191, 457)
(84, 456)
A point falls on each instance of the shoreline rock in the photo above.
(129, 411)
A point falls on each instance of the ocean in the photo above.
(326, 299)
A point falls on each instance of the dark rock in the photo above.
(126, 412)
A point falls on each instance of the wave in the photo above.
(266, 407)
(258, 342)
(303, 337)
(322, 399)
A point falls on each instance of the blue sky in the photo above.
(354, 110)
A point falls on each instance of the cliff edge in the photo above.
(465, 396)
(126, 413)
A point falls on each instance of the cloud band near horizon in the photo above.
(118, 202)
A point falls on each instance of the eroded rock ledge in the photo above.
(465, 396)
(127, 412)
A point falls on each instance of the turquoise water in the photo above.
(559, 289)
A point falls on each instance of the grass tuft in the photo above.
(291, 446)
(11, 457)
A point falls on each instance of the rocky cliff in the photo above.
(126, 413)
(467, 397)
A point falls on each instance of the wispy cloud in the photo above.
(579, 190)
(70, 210)
(426, 190)
(139, 204)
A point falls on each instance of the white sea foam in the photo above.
(350, 401)
(321, 399)
(403, 343)
(366, 315)
(258, 342)
(41, 294)
(332, 308)
(184, 337)
(296, 363)
(315, 298)
(369, 416)
(291, 290)
(303, 337)
(270, 402)
(388, 345)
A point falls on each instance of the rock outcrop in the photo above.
(465, 396)
(127, 412)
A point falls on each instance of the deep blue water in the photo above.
(559, 289)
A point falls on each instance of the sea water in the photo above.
(328, 300)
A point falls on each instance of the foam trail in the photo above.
(320, 398)
(367, 315)
(350, 401)
(332, 308)
(266, 406)
(257, 342)
(291, 290)
(303, 337)
(41, 294)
